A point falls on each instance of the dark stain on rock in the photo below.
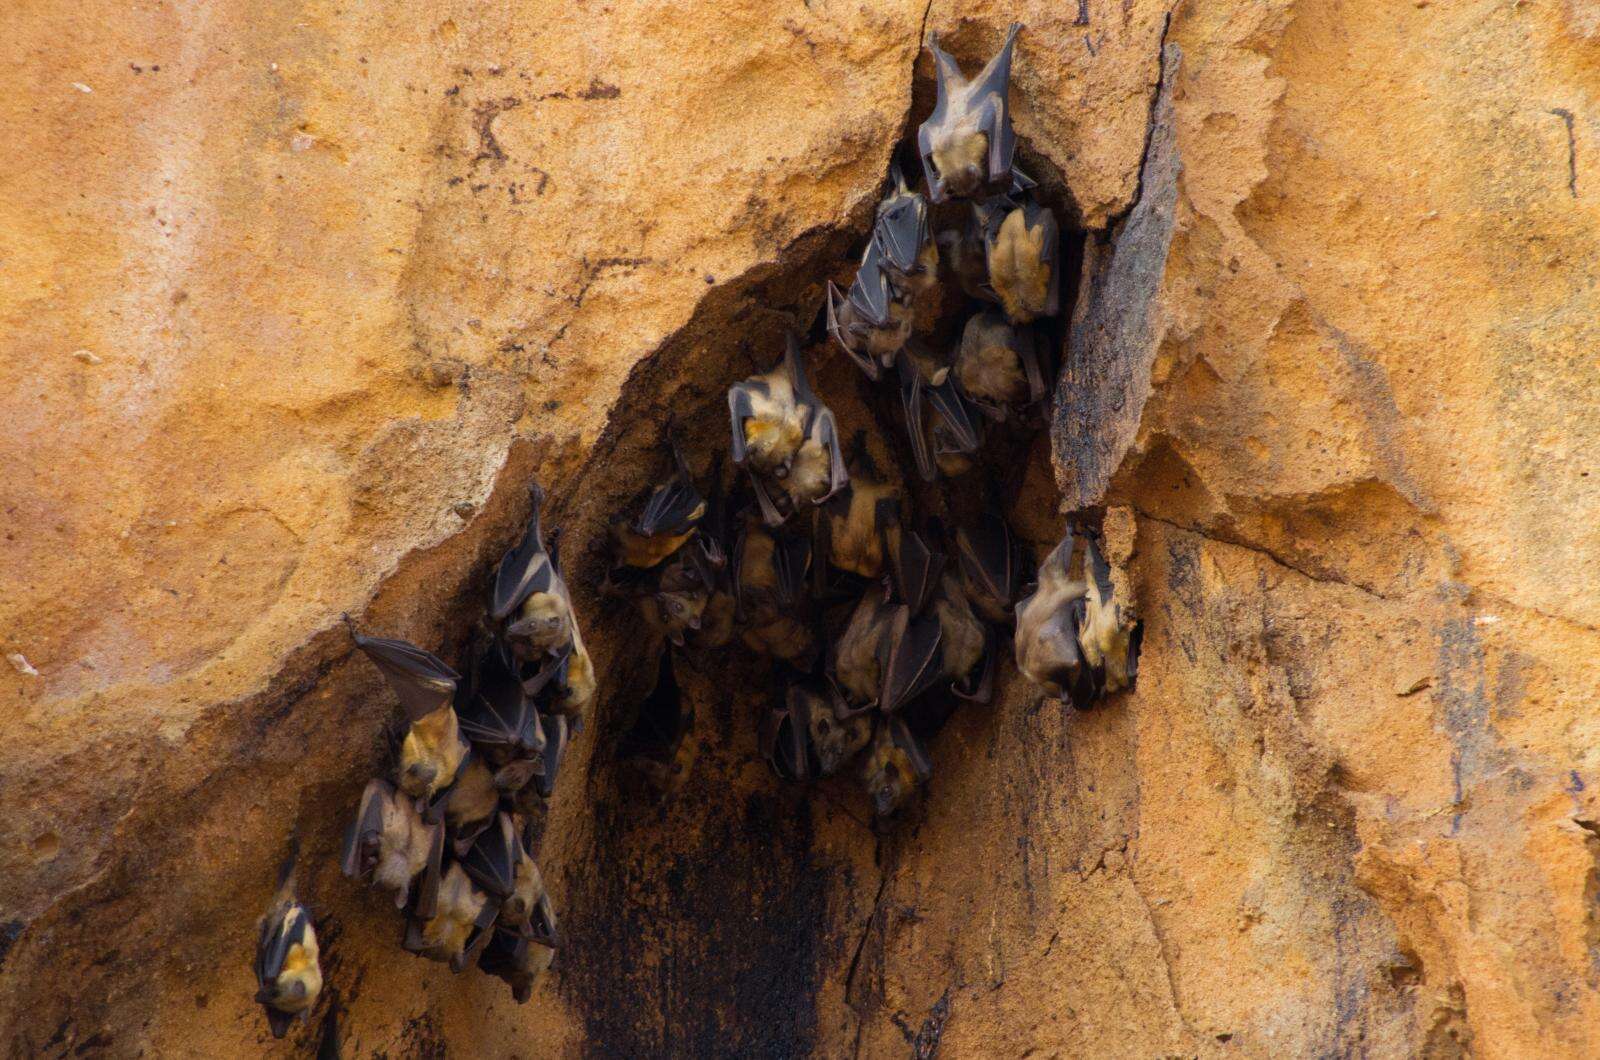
(10, 931)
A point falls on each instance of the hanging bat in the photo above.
(895, 766)
(530, 597)
(1048, 620)
(1022, 248)
(709, 551)
(967, 143)
(432, 749)
(854, 529)
(782, 431)
(944, 432)
(670, 516)
(391, 846)
(659, 746)
(998, 365)
(675, 605)
(769, 576)
(471, 802)
(499, 863)
(990, 561)
(966, 656)
(859, 659)
(518, 959)
(834, 739)
(460, 925)
(874, 320)
(910, 257)
(1109, 635)
(288, 973)
(499, 716)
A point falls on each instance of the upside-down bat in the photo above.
(859, 658)
(769, 575)
(854, 529)
(432, 749)
(998, 365)
(670, 515)
(803, 737)
(782, 432)
(944, 432)
(1109, 634)
(288, 973)
(530, 597)
(1022, 247)
(675, 604)
(390, 845)
(460, 924)
(990, 561)
(500, 864)
(471, 802)
(967, 143)
(518, 959)
(1048, 620)
(660, 746)
(942, 640)
(894, 767)
(910, 257)
(874, 320)
(499, 716)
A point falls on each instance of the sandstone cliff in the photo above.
(299, 296)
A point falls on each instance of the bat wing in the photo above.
(913, 664)
(911, 400)
(962, 429)
(782, 741)
(794, 366)
(675, 506)
(949, 81)
(1030, 344)
(870, 294)
(826, 431)
(1086, 684)
(740, 408)
(281, 929)
(524, 570)
(500, 712)
(769, 510)
(991, 89)
(902, 227)
(556, 734)
(1094, 562)
(420, 678)
(791, 558)
(542, 924)
(838, 313)
(492, 861)
(369, 821)
(988, 557)
(1050, 251)
(907, 741)
(1135, 642)
(916, 571)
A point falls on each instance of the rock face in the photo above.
(299, 298)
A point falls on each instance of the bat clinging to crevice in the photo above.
(769, 572)
(895, 766)
(432, 749)
(287, 966)
(530, 597)
(859, 659)
(459, 926)
(1022, 246)
(670, 516)
(967, 143)
(518, 959)
(390, 845)
(874, 320)
(786, 438)
(904, 234)
(998, 365)
(945, 433)
(1110, 633)
(1048, 620)
(858, 526)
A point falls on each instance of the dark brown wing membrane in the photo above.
(492, 861)
(420, 678)
(916, 570)
(500, 712)
(556, 733)
(913, 665)
(524, 570)
(989, 558)
(361, 837)
(673, 507)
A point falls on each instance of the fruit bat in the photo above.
(990, 562)
(432, 749)
(499, 863)
(784, 433)
(894, 767)
(998, 365)
(459, 926)
(966, 655)
(914, 570)
(834, 740)
(769, 575)
(854, 529)
(500, 718)
(709, 551)
(1022, 248)
(904, 235)
(675, 604)
(471, 802)
(944, 432)
(288, 973)
(874, 320)
(1048, 620)
(859, 658)
(390, 845)
(1109, 635)
(530, 597)
(518, 959)
(670, 515)
(967, 143)
(659, 746)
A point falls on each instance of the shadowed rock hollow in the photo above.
(299, 297)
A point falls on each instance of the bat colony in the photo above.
(880, 619)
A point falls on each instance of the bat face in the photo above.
(287, 966)
(430, 754)
(677, 614)
(894, 767)
(517, 959)
(967, 144)
(543, 626)
(833, 740)
(1022, 263)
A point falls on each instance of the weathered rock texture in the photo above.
(299, 296)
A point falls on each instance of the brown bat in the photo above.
(288, 972)
(498, 715)
(998, 365)
(803, 738)
(859, 659)
(875, 319)
(967, 143)
(471, 802)
(1109, 634)
(432, 749)
(671, 514)
(500, 864)
(904, 234)
(1048, 620)
(990, 561)
(675, 604)
(660, 747)
(391, 846)
(854, 529)
(460, 925)
(1022, 245)
(944, 431)
(769, 576)
(518, 959)
(895, 766)
(783, 433)
(530, 597)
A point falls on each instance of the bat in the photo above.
(990, 562)
(769, 575)
(671, 513)
(818, 472)
(944, 432)
(1109, 635)
(709, 550)
(998, 365)
(854, 529)
(964, 642)
(460, 925)
(288, 973)
(499, 863)
(915, 570)
(556, 734)
(1022, 248)
(909, 255)
(390, 845)
(1048, 619)
(858, 660)
(518, 959)
(782, 431)
(530, 597)
(834, 739)
(676, 604)
(874, 320)
(659, 747)
(967, 143)
(783, 738)
(500, 718)
(895, 766)
(432, 749)
(471, 802)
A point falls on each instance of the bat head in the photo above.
(541, 626)
(771, 443)
(810, 474)
(958, 159)
(834, 741)
(681, 611)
